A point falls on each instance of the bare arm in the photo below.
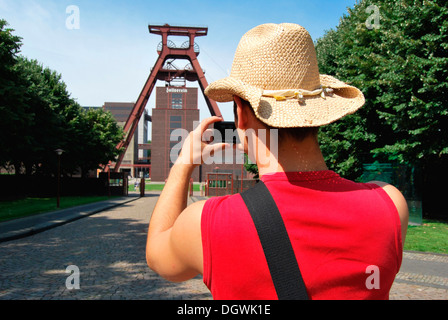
(174, 245)
(400, 204)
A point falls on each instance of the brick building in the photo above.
(177, 108)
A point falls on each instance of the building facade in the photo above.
(177, 108)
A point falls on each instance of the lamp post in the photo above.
(108, 180)
(59, 153)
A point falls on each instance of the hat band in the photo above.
(298, 94)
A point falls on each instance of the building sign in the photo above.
(176, 90)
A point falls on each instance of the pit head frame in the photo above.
(168, 52)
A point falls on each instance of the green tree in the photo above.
(251, 167)
(37, 116)
(97, 135)
(11, 98)
(34, 141)
(402, 69)
(89, 138)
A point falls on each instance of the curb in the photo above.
(17, 229)
(427, 253)
(198, 198)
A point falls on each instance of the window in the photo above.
(175, 125)
(175, 122)
(176, 118)
(217, 183)
(176, 100)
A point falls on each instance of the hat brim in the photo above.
(314, 111)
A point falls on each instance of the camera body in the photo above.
(228, 132)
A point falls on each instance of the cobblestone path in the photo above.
(109, 250)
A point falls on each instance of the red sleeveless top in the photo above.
(346, 237)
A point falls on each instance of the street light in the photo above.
(59, 153)
(108, 179)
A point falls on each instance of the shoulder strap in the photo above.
(274, 239)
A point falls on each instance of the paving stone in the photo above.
(109, 250)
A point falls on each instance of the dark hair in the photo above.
(298, 134)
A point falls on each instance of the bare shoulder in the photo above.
(400, 203)
(395, 194)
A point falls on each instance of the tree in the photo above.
(97, 135)
(38, 116)
(10, 99)
(33, 141)
(251, 167)
(402, 69)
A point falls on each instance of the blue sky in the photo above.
(111, 54)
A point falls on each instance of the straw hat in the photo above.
(275, 69)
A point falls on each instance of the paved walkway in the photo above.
(422, 276)
(20, 228)
(109, 250)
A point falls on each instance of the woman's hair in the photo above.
(299, 134)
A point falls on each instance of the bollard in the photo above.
(142, 187)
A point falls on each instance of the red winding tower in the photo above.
(168, 51)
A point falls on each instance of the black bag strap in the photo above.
(276, 244)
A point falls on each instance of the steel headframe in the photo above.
(166, 51)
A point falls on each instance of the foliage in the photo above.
(9, 48)
(98, 134)
(251, 167)
(402, 69)
(38, 116)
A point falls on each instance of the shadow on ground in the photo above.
(109, 250)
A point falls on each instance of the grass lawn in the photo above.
(30, 206)
(431, 236)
